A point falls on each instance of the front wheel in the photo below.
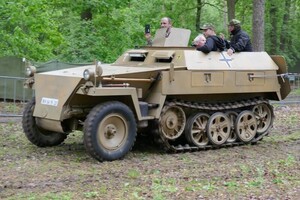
(109, 131)
(35, 134)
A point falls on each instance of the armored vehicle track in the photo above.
(189, 126)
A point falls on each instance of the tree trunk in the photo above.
(286, 17)
(198, 15)
(273, 22)
(231, 9)
(258, 25)
(225, 14)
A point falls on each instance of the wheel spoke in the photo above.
(198, 123)
(221, 134)
(260, 110)
(239, 126)
(243, 133)
(195, 131)
(213, 128)
(214, 136)
(248, 133)
(197, 136)
(264, 115)
(223, 124)
(252, 121)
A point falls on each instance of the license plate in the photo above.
(49, 101)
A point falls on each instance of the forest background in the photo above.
(79, 31)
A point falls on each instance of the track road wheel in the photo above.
(172, 122)
(195, 130)
(264, 116)
(35, 134)
(246, 126)
(232, 117)
(109, 131)
(218, 128)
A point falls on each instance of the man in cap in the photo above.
(240, 40)
(213, 42)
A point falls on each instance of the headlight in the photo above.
(88, 75)
(29, 71)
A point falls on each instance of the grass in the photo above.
(91, 195)
(11, 107)
(269, 170)
(294, 136)
(289, 161)
(293, 118)
(45, 196)
(295, 92)
(133, 174)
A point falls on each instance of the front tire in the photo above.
(109, 131)
(36, 135)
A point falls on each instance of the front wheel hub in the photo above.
(110, 131)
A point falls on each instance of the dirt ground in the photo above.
(268, 170)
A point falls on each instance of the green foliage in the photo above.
(28, 29)
(279, 29)
(83, 31)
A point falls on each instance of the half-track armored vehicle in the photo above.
(186, 99)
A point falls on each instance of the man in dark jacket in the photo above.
(213, 42)
(240, 40)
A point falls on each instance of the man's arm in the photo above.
(148, 39)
